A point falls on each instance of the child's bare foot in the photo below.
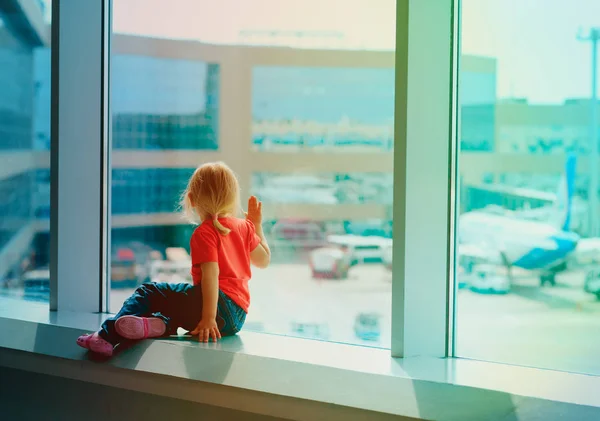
(96, 344)
(134, 327)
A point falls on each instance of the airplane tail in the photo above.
(564, 195)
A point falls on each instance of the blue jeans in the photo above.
(178, 305)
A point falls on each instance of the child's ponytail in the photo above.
(223, 230)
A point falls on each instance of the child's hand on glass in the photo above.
(254, 213)
(206, 330)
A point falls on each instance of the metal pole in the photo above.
(593, 217)
(595, 153)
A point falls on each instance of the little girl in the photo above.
(222, 249)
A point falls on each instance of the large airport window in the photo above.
(327, 213)
(24, 153)
(528, 278)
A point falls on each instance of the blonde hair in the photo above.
(213, 191)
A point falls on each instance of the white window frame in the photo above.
(80, 213)
(424, 183)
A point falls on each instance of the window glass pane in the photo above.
(309, 133)
(24, 151)
(528, 275)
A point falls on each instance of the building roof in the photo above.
(315, 24)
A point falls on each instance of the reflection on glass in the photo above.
(24, 143)
(528, 251)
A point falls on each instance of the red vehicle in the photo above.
(130, 264)
(330, 262)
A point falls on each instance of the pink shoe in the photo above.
(96, 344)
(83, 340)
(134, 327)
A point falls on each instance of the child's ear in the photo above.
(189, 196)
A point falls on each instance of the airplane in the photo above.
(515, 242)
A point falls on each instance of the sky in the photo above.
(534, 41)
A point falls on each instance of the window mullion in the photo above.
(423, 178)
(79, 205)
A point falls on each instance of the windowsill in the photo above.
(294, 378)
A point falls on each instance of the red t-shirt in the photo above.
(231, 252)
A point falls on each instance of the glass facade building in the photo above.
(169, 104)
(19, 96)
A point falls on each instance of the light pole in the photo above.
(593, 37)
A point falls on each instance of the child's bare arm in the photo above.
(261, 255)
(210, 289)
(207, 328)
